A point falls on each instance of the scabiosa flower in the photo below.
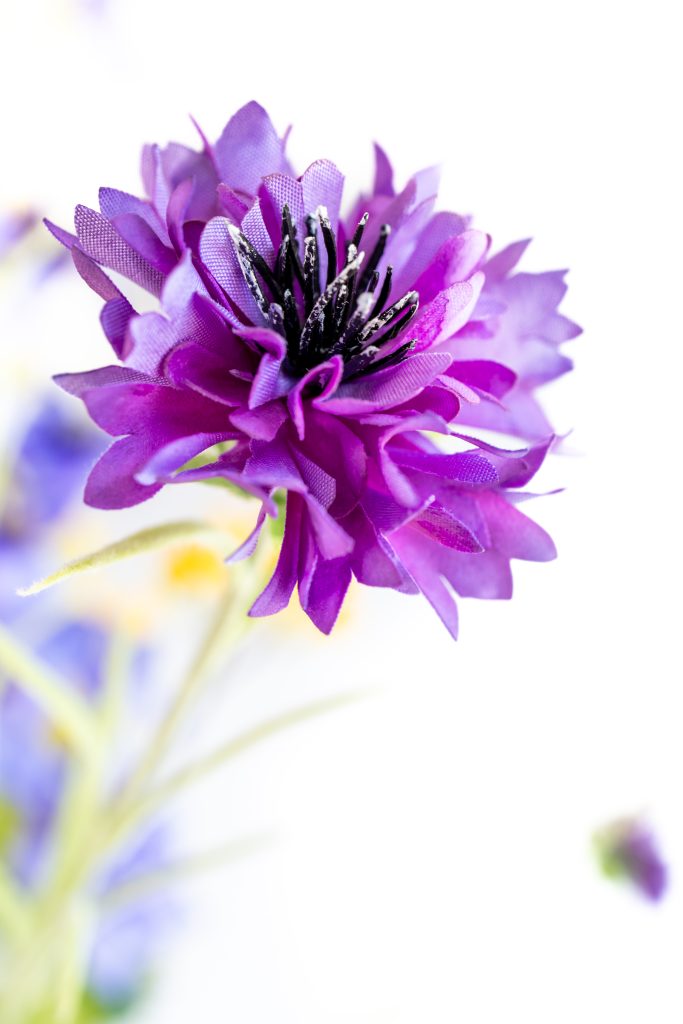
(316, 354)
(627, 849)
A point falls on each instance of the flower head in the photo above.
(302, 351)
(628, 849)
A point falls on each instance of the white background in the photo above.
(432, 852)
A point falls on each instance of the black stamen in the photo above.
(330, 244)
(257, 261)
(292, 325)
(358, 233)
(398, 326)
(373, 327)
(325, 299)
(375, 256)
(311, 291)
(343, 317)
(340, 308)
(283, 265)
(247, 268)
(295, 259)
(384, 293)
(277, 318)
(371, 366)
(349, 340)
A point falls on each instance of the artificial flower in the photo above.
(301, 351)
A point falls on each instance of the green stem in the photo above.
(15, 917)
(240, 745)
(182, 870)
(65, 709)
(182, 700)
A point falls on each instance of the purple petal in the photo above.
(277, 593)
(248, 149)
(326, 592)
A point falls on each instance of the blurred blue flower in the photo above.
(45, 476)
(14, 227)
(34, 771)
(48, 470)
(36, 765)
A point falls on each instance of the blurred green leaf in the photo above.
(135, 544)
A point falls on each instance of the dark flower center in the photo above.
(348, 314)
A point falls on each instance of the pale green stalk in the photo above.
(183, 870)
(73, 965)
(68, 712)
(200, 768)
(15, 915)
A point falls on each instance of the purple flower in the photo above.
(320, 352)
(628, 849)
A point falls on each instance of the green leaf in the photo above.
(136, 544)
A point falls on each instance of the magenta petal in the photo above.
(456, 261)
(93, 276)
(326, 592)
(248, 546)
(217, 252)
(278, 191)
(437, 523)
(254, 228)
(513, 533)
(332, 540)
(176, 213)
(390, 387)
(64, 237)
(107, 376)
(486, 576)
(207, 373)
(462, 467)
(112, 482)
(145, 241)
(262, 423)
(483, 374)
(372, 560)
(114, 203)
(248, 149)
(500, 265)
(384, 175)
(441, 318)
(335, 446)
(154, 410)
(233, 204)
(327, 376)
(418, 558)
(172, 456)
(277, 593)
(104, 244)
(115, 318)
(322, 185)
